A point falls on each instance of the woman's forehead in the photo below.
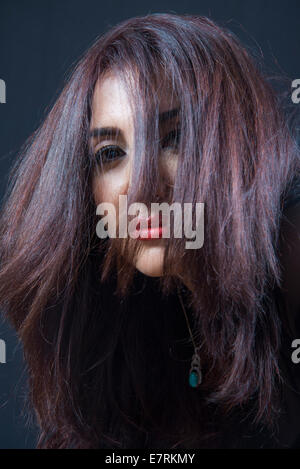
(111, 103)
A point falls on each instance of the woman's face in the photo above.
(111, 109)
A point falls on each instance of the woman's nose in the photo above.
(167, 171)
(167, 168)
(166, 181)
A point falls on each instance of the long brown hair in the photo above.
(96, 333)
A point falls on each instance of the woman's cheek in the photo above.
(108, 186)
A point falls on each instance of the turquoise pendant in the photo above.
(193, 379)
(195, 376)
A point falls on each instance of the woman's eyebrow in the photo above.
(112, 132)
(107, 132)
(167, 115)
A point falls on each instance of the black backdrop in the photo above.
(39, 43)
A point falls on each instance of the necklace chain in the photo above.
(195, 375)
(186, 318)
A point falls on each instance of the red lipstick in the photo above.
(154, 230)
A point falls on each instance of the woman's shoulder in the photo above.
(289, 256)
(291, 199)
(290, 243)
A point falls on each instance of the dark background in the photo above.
(39, 43)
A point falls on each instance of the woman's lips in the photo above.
(152, 233)
(154, 230)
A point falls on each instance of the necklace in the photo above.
(195, 374)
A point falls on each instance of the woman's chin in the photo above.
(150, 259)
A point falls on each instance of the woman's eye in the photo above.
(109, 153)
(171, 140)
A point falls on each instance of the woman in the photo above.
(162, 108)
